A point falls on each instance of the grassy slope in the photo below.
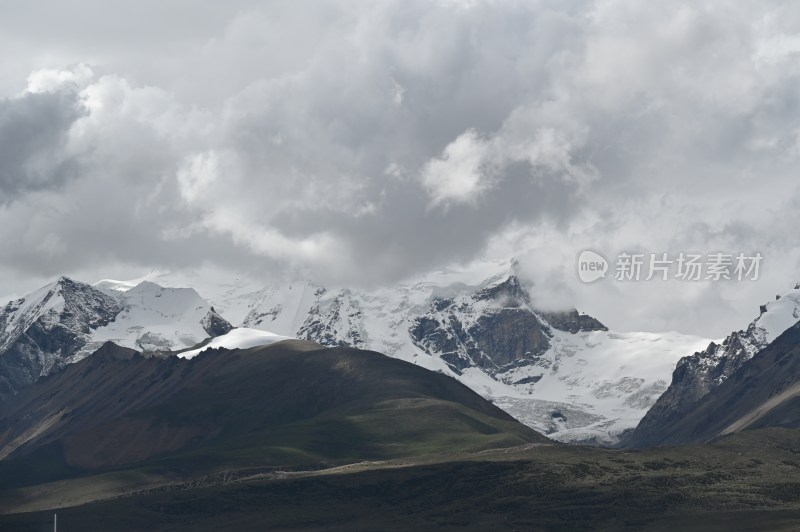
(292, 405)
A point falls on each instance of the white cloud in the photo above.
(196, 175)
(459, 175)
(51, 79)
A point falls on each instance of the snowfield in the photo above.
(600, 383)
(154, 318)
(238, 339)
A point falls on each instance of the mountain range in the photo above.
(562, 373)
(138, 405)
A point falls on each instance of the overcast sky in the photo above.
(366, 142)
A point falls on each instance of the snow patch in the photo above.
(243, 338)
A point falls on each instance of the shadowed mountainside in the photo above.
(763, 392)
(293, 403)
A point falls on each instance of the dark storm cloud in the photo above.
(33, 134)
(405, 235)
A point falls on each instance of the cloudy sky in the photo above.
(364, 143)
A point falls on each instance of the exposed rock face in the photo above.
(694, 377)
(573, 321)
(512, 334)
(490, 329)
(38, 334)
(493, 341)
(762, 392)
(215, 325)
(494, 329)
(334, 323)
(509, 294)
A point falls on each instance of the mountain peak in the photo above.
(69, 284)
(112, 351)
(67, 320)
(146, 286)
(509, 292)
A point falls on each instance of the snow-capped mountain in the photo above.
(39, 332)
(561, 373)
(155, 318)
(702, 372)
(67, 320)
